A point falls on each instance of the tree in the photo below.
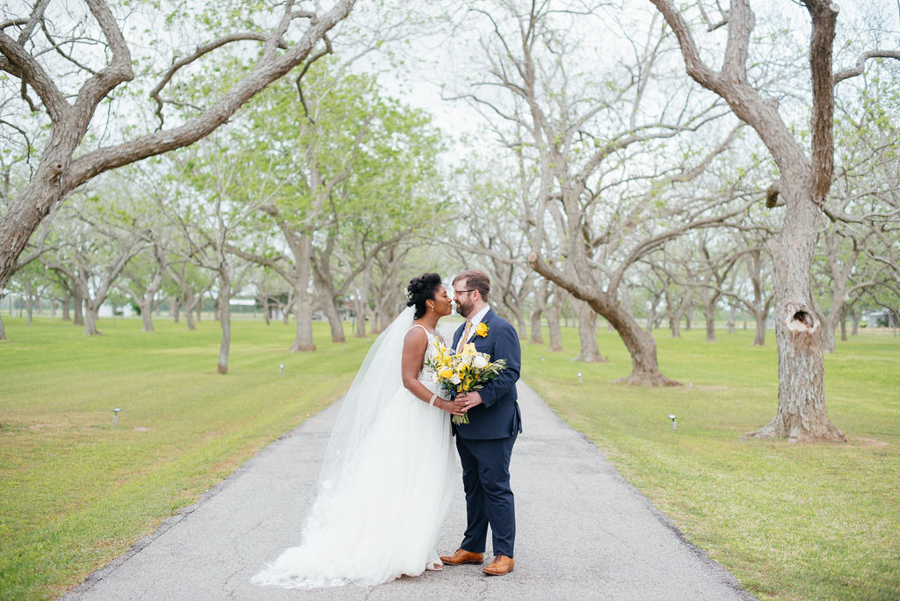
(595, 140)
(802, 189)
(41, 63)
(96, 243)
(350, 172)
(212, 209)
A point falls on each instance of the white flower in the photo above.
(434, 377)
(480, 362)
(455, 379)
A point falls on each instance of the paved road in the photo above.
(583, 533)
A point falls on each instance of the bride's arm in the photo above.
(414, 346)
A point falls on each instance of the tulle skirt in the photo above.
(381, 519)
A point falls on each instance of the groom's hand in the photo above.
(471, 399)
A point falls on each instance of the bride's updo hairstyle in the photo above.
(421, 289)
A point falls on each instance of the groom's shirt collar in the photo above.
(476, 319)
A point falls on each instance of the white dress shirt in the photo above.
(476, 319)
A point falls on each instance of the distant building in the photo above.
(881, 319)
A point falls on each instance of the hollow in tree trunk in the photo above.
(801, 414)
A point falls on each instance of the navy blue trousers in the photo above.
(489, 499)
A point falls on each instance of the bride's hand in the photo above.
(453, 407)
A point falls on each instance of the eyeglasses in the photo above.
(458, 292)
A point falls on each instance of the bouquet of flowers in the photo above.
(462, 372)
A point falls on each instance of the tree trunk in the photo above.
(334, 320)
(303, 298)
(224, 313)
(2, 330)
(843, 322)
(360, 310)
(675, 327)
(523, 325)
(801, 414)
(79, 309)
(176, 310)
(29, 307)
(732, 320)
(66, 315)
(264, 301)
(303, 341)
(587, 333)
(554, 310)
(828, 330)
(91, 317)
(760, 318)
(709, 313)
(857, 316)
(189, 312)
(537, 335)
(641, 346)
(147, 316)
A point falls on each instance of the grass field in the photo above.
(790, 521)
(75, 491)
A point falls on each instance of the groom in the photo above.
(485, 443)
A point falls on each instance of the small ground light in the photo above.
(543, 358)
(579, 376)
(281, 368)
(674, 423)
(116, 417)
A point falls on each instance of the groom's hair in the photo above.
(476, 280)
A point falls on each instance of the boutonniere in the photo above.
(481, 330)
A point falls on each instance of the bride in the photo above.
(389, 468)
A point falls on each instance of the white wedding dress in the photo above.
(386, 482)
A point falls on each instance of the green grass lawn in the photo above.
(75, 491)
(790, 521)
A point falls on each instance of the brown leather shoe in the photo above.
(500, 566)
(462, 556)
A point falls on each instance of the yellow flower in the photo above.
(481, 330)
(469, 349)
(446, 373)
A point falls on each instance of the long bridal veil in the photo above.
(375, 383)
(385, 484)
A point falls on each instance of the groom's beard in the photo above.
(464, 309)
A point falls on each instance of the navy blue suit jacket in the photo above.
(498, 416)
